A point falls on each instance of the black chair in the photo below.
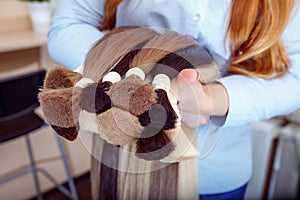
(18, 100)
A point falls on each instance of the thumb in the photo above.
(189, 90)
(188, 80)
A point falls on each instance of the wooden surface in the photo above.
(20, 50)
(20, 47)
(14, 16)
(13, 41)
(18, 62)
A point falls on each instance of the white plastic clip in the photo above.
(136, 71)
(112, 77)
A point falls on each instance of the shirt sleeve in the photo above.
(74, 29)
(254, 99)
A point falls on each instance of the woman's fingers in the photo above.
(191, 97)
(193, 120)
(190, 91)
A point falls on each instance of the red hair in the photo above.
(254, 30)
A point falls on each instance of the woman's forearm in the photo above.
(216, 100)
(74, 30)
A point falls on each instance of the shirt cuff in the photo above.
(218, 120)
(239, 100)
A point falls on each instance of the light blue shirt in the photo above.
(75, 28)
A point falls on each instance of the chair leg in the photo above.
(67, 168)
(33, 168)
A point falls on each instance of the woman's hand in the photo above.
(197, 101)
(190, 96)
(193, 120)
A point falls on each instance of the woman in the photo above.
(261, 40)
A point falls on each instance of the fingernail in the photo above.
(190, 75)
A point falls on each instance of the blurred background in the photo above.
(23, 49)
